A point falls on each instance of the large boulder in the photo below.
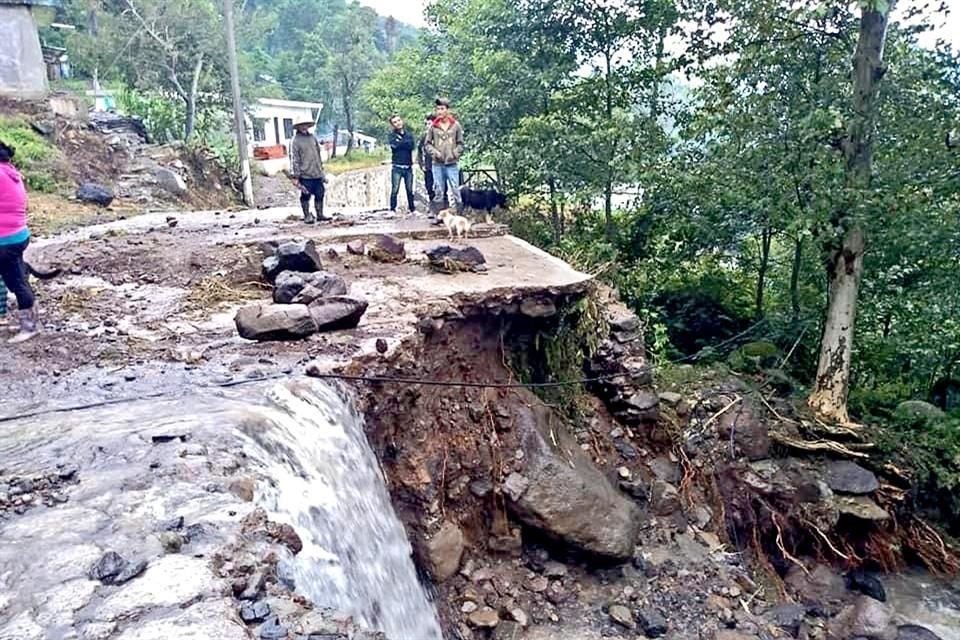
(444, 551)
(865, 618)
(844, 476)
(297, 287)
(447, 259)
(95, 193)
(387, 249)
(337, 312)
(266, 322)
(564, 495)
(170, 181)
(298, 255)
(918, 409)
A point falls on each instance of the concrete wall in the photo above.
(366, 190)
(22, 71)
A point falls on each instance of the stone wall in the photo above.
(22, 71)
(366, 190)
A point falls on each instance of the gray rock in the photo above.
(273, 630)
(821, 588)
(622, 616)
(485, 618)
(788, 617)
(652, 622)
(130, 571)
(171, 541)
(844, 476)
(299, 255)
(337, 312)
(866, 617)
(538, 307)
(567, 497)
(448, 259)
(515, 486)
(508, 630)
(387, 249)
(268, 322)
(444, 551)
(919, 409)
(254, 612)
(170, 181)
(915, 632)
(671, 398)
(664, 498)
(294, 287)
(107, 567)
(643, 401)
(860, 507)
(555, 570)
(481, 488)
(356, 247)
(95, 193)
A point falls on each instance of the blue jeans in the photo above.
(446, 175)
(398, 174)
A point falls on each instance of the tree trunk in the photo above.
(608, 187)
(336, 140)
(766, 240)
(795, 278)
(554, 209)
(845, 263)
(190, 120)
(348, 113)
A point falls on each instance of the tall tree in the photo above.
(845, 259)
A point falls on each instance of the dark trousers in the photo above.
(398, 174)
(14, 273)
(312, 187)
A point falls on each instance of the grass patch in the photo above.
(356, 160)
(41, 163)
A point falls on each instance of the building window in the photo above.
(259, 130)
(287, 128)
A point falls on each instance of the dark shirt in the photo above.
(402, 145)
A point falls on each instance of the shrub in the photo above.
(37, 159)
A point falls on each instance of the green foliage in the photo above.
(37, 159)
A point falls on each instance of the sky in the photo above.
(411, 12)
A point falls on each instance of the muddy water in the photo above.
(145, 463)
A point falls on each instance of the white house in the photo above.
(272, 120)
(23, 71)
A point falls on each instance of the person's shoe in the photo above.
(28, 326)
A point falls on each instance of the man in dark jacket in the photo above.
(444, 143)
(402, 145)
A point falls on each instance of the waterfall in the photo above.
(327, 482)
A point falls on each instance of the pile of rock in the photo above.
(447, 259)
(630, 396)
(306, 299)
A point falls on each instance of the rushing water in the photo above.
(304, 442)
(327, 481)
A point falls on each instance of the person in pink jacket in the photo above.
(14, 238)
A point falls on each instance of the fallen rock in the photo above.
(107, 567)
(387, 249)
(299, 255)
(95, 193)
(664, 498)
(485, 618)
(170, 181)
(915, 632)
(867, 618)
(844, 476)
(294, 287)
(446, 259)
(508, 630)
(652, 622)
(268, 322)
(566, 496)
(273, 630)
(444, 551)
(171, 541)
(130, 571)
(820, 589)
(788, 617)
(356, 247)
(747, 429)
(860, 507)
(670, 398)
(337, 312)
(622, 616)
(254, 612)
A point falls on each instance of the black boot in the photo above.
(307, 215)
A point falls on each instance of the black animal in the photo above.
(483, 199)
(868, 585)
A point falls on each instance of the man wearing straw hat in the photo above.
(306, 170)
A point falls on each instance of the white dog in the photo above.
(455, 223)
